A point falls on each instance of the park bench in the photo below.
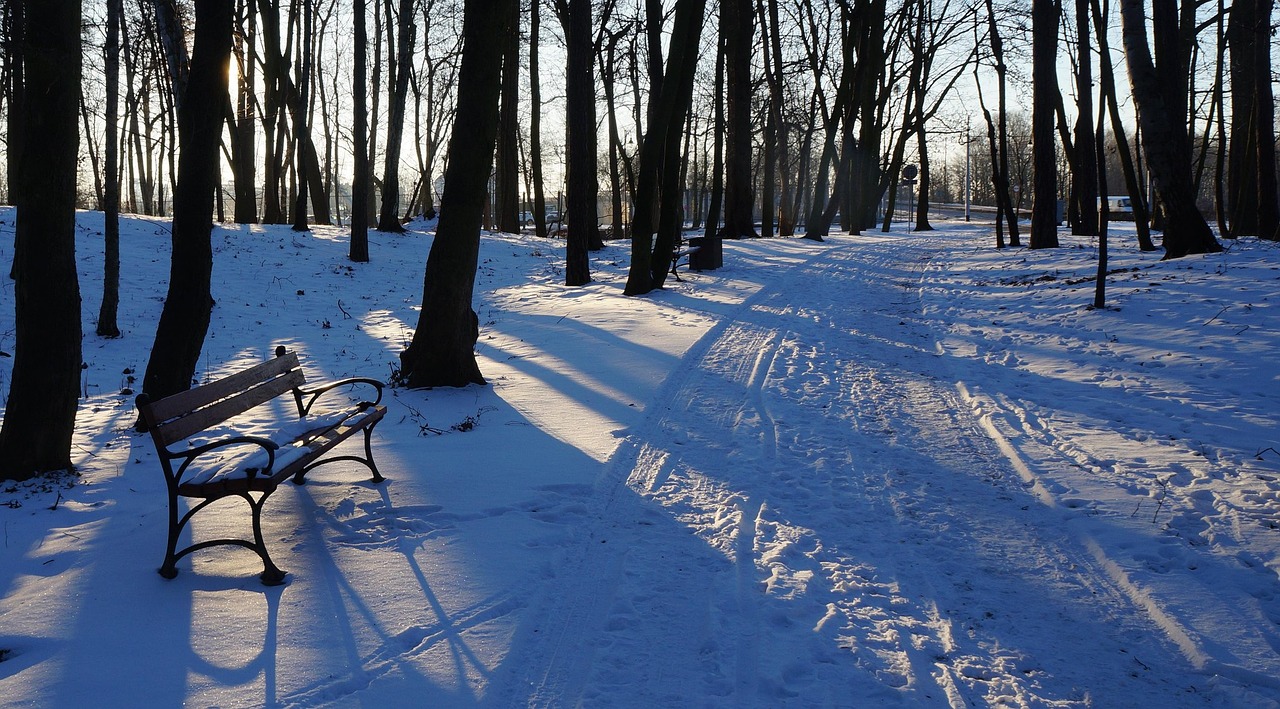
(187, 429)
(683, 249)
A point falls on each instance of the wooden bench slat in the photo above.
(178, 429)
(201, 396)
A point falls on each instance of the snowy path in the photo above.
(888, 470)
(810, 471)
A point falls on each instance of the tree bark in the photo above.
(107, 325)
(651, 258)
(1251, 188)
(15, 90)
(442, 352)
(738, 25)
(507, 165)
(40, 415)
(1085, 180)
(1166, 140)
(535, 124)
(1044, 47)
(184, 320)
(580, 103)
(1107, 89)
(360, 197)
(1003, 181)
(401, 68)
(716, 202)
(242, 138)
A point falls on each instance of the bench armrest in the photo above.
(189, 456)
(311, 394)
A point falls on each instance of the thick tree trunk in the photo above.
(1107, 86)
(187, 307)
(40, 415)
(1268, 206)
(1166, 140)
(401, 68)
(360, 196)
(1251, 181)
(242, 138)
(580, 102)
(738, 26)
(650, 258)
(866, 171)
(442, 352)
(1044, 71)
(507, 164)
(1085, 180)
(773, 121)
(274, 72)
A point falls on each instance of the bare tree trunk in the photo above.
(1107, 86)
(580, 98)
(1003, 181)
(400, 70)
(506, 167)
(1044, 41)
(15, 92)
(184, 320)
(40, 414)
(360, 143)
(738, 26)
(442, 352)
(651, 258)
(773, 122)
(866, 172)
(1085, 181)
(244, 177)
(173, 39)
(1251, 180)
(926, 181)
(274, 70)
(1099, 158)
(1166, 141)
(608, 78)
(717, 132)
(535, 123)
(107, 326)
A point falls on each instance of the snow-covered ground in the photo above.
(890, 469)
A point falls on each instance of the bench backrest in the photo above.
(176, 417)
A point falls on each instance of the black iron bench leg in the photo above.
(169, 568)
(368, 454)
(271, 574)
